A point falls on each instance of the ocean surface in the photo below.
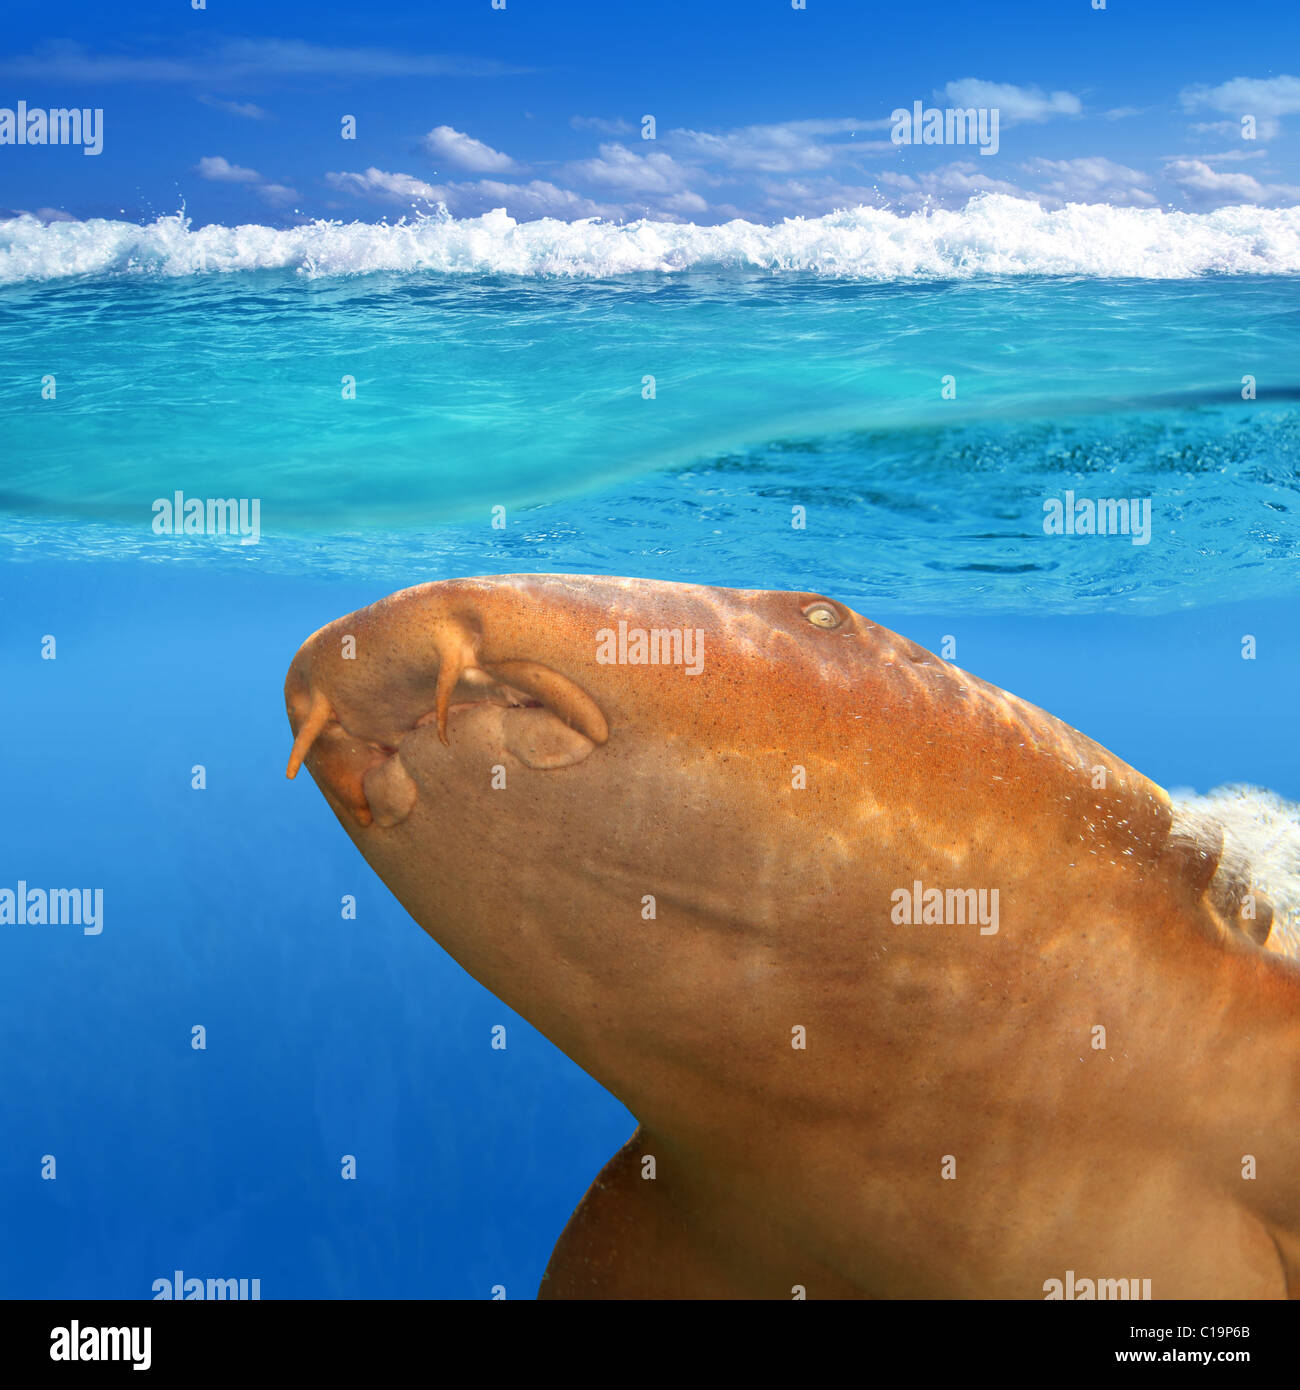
(883, 409)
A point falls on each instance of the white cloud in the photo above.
(217, 167)
(41, 214)
(1265, 129)
(813, 197)
(787, 148)
(386, 187)
(1212, 187)
(246, 109)
(1119, 113)
(536, 198)
(684, 203)
(951, 182)
(239, 58)
(220, 170)
(467, 153)
(1229, 156)
(1093, 180)
(1265, 98)
(1053, 183)
(621, 168)
(275, 57)
(601, 125)
(1013, 103)
(951, 185)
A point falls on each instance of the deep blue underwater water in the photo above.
(773, 390)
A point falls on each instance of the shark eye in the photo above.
(822, 615)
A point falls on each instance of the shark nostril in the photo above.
(403, 682)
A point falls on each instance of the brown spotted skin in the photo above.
(770, 806)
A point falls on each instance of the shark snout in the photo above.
(388, 678)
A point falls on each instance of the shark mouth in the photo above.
(526, 709)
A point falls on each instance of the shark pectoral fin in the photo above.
(644, 1230)
(539, 739)
(627, 1239)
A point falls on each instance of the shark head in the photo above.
(670, 823)
(819, 908)
(547, 763)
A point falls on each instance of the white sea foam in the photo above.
(993, 235)
(1264, 829)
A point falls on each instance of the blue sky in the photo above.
(761, 110)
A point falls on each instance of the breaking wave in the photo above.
(994, 235)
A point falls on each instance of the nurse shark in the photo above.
(915, 991)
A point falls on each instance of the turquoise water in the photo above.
(769, 392)
(794, 377)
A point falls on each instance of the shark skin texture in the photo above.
(915, 991)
